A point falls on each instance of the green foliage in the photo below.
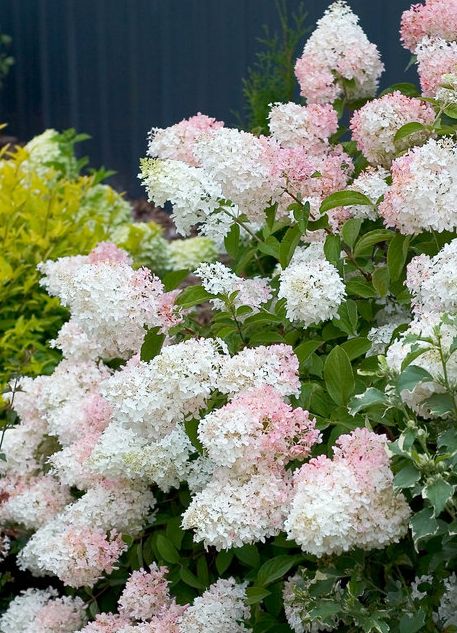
(6, 60)
(272, 78)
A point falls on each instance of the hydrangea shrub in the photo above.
(271, 446)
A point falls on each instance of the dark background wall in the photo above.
(115, 68)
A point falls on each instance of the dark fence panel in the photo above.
(115, 68)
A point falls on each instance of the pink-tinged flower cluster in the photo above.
(217, 279)
(250, 441)
(432, 281)
(434, 18)
(257, 426)
(110, 303)
(347, 501)
(435, 59)
(145, 593)
(375, 124)
(309, 127)
(338, 59)
(177, 141)
(146, 606)
(41, 611)
(423, 191)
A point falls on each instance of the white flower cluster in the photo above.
(41, 611)
(110, 302)
(338, 59)
(372, 183)
(217, 279)
(423, 190)
(348, 501)
(312, 287)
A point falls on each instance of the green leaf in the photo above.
(440, 404)
(438, 492)
(448, 439)
(338, 376)
(350, 231)
(192, 296)
(332, 249)
(248, 554)
(411, 623)
(369, 398)
(347, 317)
(190, 579)
(344, 199)
(223, 561)
(270, 246)
(412, 376)
(256, 594)
(304, 350)
(166, 549)
(381, 280)
(408, 89)
(406, 130)
(6, 270)
(356, 347)
(288, 245)
(326, 609)
(360, 288)
(397, 254)
(370, 239)
(276, 568)
(172, 279)
(423, 525)
(451, 111)
(232, 241)
(152, 344)
(407, 477)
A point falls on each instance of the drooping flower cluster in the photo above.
(347, 501)
(41, 611)
(423, 190)
(338, 59)
(110, 302)
(375, 125)
(312, 287)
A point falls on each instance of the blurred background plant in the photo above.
(272, 77)
(6, 60)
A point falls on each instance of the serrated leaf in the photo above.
(270, 246)
(344, 199)
(192, 296)
(448, 439)
(152, 344)
(338, 376)
(438, 492)
(406, 130)
(369, 398)
(276, 568)
(440, 404)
